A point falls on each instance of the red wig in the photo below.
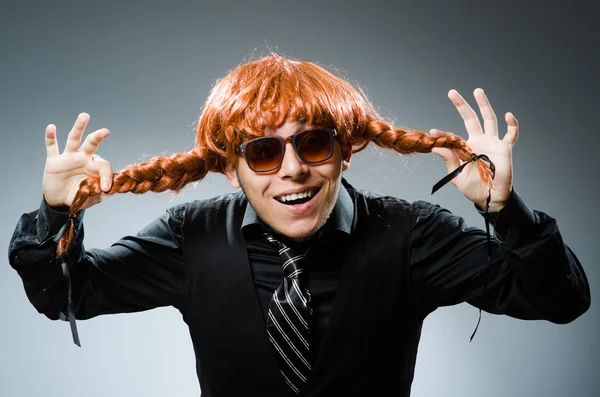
(261, 94)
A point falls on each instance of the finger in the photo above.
(93, 140)
(51, 143)
(450, 158)
(106, 173)
(76, 132)
(490, 122)
(512, 132)
(466, 112)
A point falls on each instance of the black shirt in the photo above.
(536, 276)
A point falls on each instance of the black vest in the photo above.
(370, 346)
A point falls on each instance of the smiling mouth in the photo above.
(296, 199)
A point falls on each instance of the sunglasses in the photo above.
(266, 153)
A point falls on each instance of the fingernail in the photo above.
(105, 186)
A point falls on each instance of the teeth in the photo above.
(295, 196)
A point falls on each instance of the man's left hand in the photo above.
(482, 141)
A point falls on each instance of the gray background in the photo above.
(144, 69)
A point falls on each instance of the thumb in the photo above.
(449, 156)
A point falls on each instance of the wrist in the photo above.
(494, 207)
(58, 207)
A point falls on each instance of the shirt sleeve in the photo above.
(533, 273)
(136, 273)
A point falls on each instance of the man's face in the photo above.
(267, 192)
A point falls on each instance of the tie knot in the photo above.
(291, 258)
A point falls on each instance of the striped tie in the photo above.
(289, 321)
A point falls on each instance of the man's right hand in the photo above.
(64, 172)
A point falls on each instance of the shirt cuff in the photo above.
(51, 220)
(513, 220)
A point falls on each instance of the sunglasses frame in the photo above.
(284, 141)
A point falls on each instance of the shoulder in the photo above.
(372, 201)
(417, 213)
(433, 220)
(218, 207)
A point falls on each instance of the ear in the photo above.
(231, 174)
(346, 155)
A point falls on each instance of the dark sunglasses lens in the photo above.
(315, 146)
(264, 154)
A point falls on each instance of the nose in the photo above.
(292, 166)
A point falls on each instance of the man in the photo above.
(301, 283)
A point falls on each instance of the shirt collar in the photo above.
(341, 218)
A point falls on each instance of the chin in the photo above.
(297, 231)
(297, 234)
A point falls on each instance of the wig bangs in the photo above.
(266, 93)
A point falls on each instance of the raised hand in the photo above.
(482, 141)
(64, 172)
